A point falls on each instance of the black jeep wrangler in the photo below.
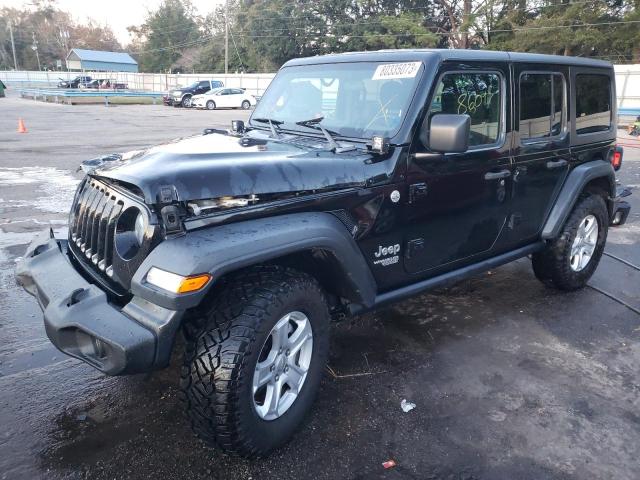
(360, 179)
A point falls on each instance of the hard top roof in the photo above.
(447, 55)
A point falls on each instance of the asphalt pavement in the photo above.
(511, 380)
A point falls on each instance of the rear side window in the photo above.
(542, 105)
(478, 95)
(593, 103)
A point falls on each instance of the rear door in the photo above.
(541, 150)
(459, 203)
(224, 98)
(236, 97)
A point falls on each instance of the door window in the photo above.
(593, 103)
(478, 95)
(542, 105)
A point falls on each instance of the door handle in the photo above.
(497, 175)
(551, 164)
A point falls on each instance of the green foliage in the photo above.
(264, 34)
(581, 28)
(402, 31)
(166, 32)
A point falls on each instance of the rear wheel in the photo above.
(246, 105)
(569, 262)
(211, 105)
(254, 361)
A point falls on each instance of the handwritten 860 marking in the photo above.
(469, 102)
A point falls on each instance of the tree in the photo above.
(586, 28)
(158, 42)
(54, 33)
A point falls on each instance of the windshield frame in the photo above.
(302, 131)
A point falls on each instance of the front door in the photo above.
(459, 203)
(541, 146)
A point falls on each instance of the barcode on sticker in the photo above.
(396, 70)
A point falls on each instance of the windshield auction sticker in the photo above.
(396, 70)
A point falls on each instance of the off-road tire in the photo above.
(222, 348)
(552, 265)
(211, 105)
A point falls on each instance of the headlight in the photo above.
(172, 282)
(140, 228)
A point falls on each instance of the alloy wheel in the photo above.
(282, 366)
(584, 244)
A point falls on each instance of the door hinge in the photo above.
(416, 191)
(414, 247)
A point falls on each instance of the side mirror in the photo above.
(446, 133)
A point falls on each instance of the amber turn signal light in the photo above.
(193, 284)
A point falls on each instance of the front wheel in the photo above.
(211, 105)
(254, 361)
(186, 102)
(569, 261)
(246, 105)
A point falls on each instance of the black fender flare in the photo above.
(577, 179)
(223, 249)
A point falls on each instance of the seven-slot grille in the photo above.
(93, 226)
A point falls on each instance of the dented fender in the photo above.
(223, 249)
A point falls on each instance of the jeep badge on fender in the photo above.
(248, 242)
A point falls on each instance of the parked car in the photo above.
(181, 97)
(360, 179)
(98, 83)
(75, 83)
(224, 98)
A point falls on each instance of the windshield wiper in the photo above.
(272, 125)
(315, 124)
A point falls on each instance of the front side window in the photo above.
(593, 103)
(478, 95)
(542, 105)
(359, 99)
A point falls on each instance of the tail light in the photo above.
(616, 158)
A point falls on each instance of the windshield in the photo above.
(357, 100)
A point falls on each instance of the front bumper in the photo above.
(81, 322)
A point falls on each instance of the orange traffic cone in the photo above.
(21, 127)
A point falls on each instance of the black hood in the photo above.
(216, 165)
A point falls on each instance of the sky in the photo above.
(118, 14)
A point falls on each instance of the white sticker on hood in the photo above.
(396, 70)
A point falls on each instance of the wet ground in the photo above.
(511, 380)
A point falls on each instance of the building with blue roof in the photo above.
(99, 61)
